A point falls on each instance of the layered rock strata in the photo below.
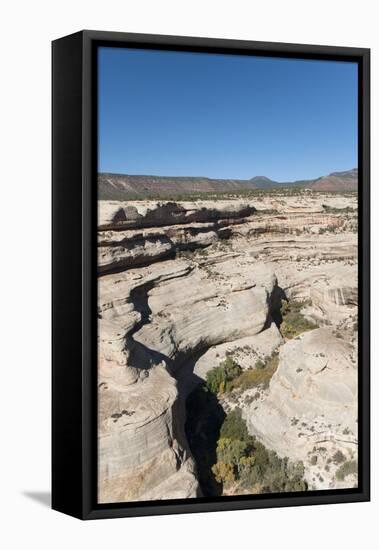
(182, 285)
(310, 410)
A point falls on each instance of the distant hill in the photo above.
(261, 182)
(337, 181)
(123, 186)
(117, 186)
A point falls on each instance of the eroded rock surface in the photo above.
(310, 410)
(182, 285)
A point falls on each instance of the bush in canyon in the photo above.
(231, 452)
(233, 448)
(258, 376)
(293, 321)
(219, 377)
(271, 474)
(243, 460)
(234, 427)
(223, 472)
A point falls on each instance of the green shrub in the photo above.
(218, 377)
(231, 451)
(260, 376)
(234, 427)
(244, 460)
(338, 457)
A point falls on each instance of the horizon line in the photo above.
(224, 178)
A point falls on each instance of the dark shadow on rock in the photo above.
(204, 418)
(144, 358)
(139, 296)
(141, 356)
(200, 408)
(275, 305)
(138, 262)
(41, 497)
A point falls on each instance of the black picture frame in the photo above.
(74, 172)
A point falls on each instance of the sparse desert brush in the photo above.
(333, 210)
(293, 321)
(260, 364)
(258, 376)
(338, 457)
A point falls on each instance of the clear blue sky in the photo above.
(192, 114)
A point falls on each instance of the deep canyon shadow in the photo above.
(204, 418)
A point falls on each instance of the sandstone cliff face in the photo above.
(310, 410)
(141, 437)
(152, 320)
(180, 286)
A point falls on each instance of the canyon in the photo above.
(185, 284)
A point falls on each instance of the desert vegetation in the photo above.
(294, 321)
(229, 376)
(219, 378)
(245, 465)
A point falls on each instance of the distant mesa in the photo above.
(337, 181)
(124, 186)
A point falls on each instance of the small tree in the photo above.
(215, 377)
(218, 377)
(231, 452)
(223, 472)
(234, 427)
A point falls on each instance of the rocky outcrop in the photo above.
(335, 297)
(221, 304)
(165, 229)
(136, 234)
(141, 440)
(245, 351)
(127, 215)
(153, 320)
(124, 249)
(310, 410)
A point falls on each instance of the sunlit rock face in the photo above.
(310, 409)
(181, 286)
